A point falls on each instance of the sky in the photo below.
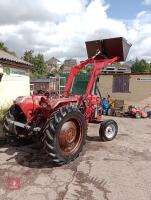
(127, 9)
(60, 28)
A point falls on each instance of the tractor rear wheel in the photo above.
(108, 130)
(64, 135)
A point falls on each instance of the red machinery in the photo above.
(136, 112)
(62, 123)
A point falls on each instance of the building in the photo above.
(53, 64)
(56, 84)
(14, 78)
(43, 84)
(127, 86)
(118, 68)
(115, 68)
(68, 64)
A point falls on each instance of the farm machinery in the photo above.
(61, 123)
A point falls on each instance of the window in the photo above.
(80, 84)
(121, 83)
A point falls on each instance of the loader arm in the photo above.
(74, 70)
(97, 66)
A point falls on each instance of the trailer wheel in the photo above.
(65, 134)
(108, 130)
(138, 115)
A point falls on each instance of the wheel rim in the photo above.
(70, 137)
(110, 131)
(138, 115)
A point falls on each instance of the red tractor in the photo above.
(61, 123)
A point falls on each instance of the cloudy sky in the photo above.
(60, 28)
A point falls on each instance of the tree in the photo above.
(5, 48)
(39, 69)
(141, 66)
(28, 56)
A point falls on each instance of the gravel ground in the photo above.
(116, 170)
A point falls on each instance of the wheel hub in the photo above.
(69, 137)
(67, 133)
(110, 131)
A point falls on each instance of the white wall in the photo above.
(12, 85)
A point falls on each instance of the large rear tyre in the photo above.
(108, 130)
(65, 134)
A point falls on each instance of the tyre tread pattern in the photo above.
(49, 133)
(103, 126)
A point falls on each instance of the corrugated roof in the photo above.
(8, 57)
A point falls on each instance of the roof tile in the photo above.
(6, 56)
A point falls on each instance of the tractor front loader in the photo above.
(61, 123)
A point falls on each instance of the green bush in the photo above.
(2, 113)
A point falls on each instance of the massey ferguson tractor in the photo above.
(61, 123)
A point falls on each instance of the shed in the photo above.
(14, 78)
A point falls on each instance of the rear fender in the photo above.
(55, 104)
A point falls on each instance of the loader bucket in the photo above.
(109, 48)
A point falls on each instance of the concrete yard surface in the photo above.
(116, 170)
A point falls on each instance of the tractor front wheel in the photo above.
(18, 134)
(108, 130)
(64, 135)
